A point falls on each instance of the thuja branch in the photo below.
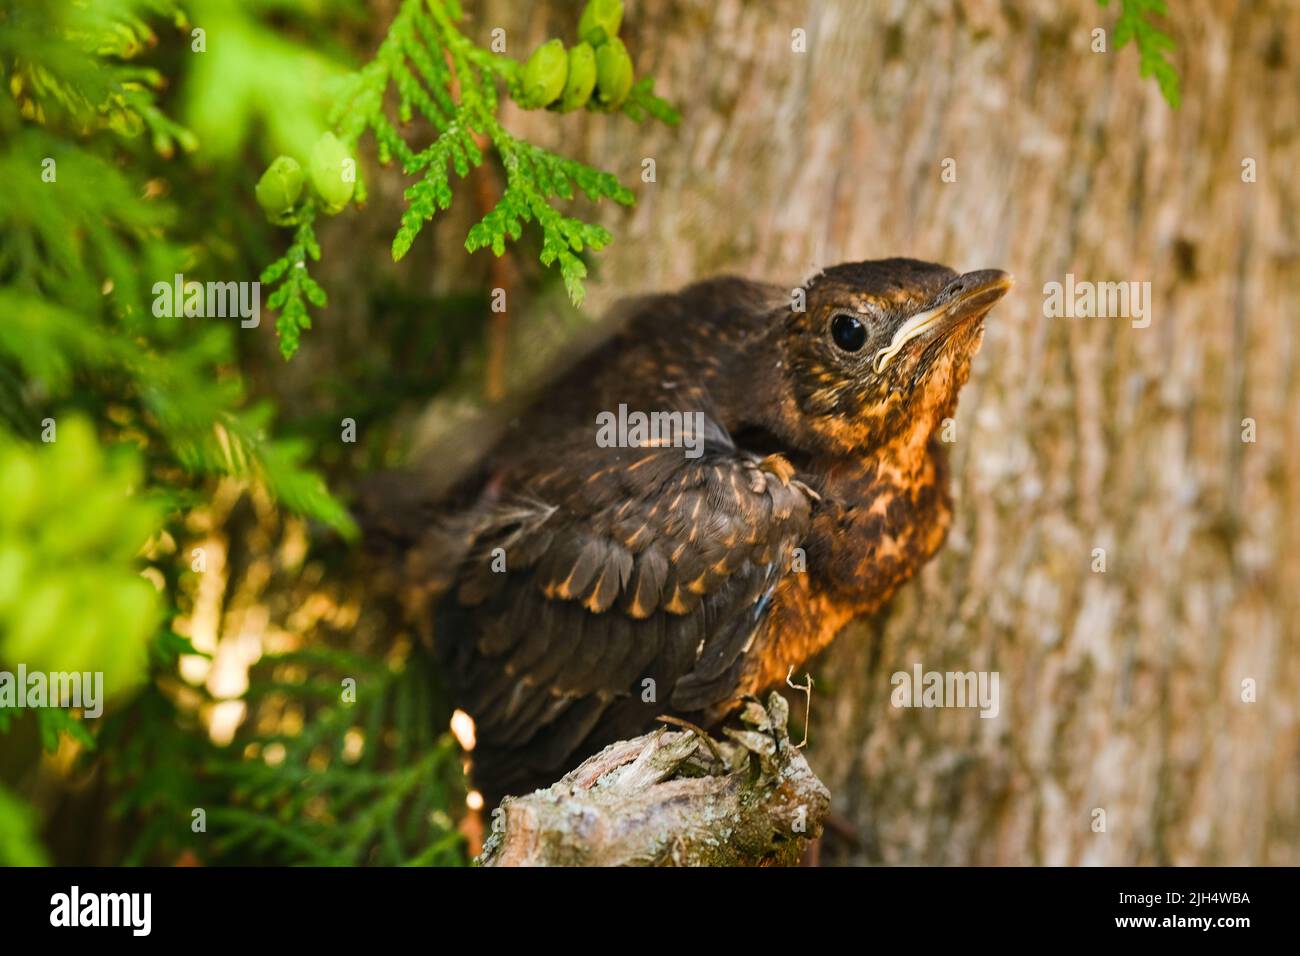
(1153, 44)
(290, 270)
(427, 67)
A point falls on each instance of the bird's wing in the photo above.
(640, 565)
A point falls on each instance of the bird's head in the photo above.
(880, 349)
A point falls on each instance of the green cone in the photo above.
(582, 77)
(327, 169)
(544, 74)
(600, 21)
(279, 187)
(613, 74)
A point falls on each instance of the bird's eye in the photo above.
(848, 332)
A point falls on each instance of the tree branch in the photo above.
(671, 798)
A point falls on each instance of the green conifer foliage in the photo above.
(432, 70)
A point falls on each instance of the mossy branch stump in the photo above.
(673, 798)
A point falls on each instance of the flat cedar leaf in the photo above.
(315, 294)
(641, 99)
(277, 298)
(402, 241)
(573, 270)
(274, 271)
(1152, 43)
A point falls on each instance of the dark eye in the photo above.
(848, 333)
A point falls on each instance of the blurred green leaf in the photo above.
(252, 82)
(71, 597)
(19, 844)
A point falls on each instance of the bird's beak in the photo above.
(966, 297)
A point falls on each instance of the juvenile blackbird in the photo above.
(578, 591)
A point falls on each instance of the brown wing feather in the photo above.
(656, 572)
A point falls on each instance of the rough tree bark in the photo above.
(1122, 690)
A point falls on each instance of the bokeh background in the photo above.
(1121, 691)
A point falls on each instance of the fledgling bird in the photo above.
(577, 591)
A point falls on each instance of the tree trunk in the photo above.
(1122, 690)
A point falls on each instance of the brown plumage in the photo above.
(576, 592)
